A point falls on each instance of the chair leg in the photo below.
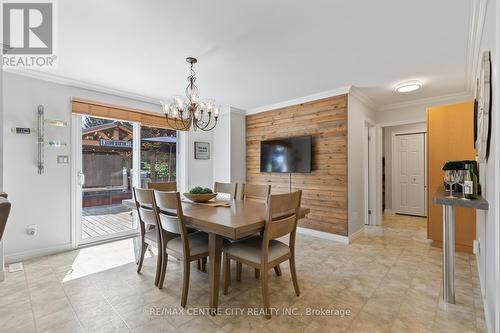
(198, 264)
(204, 264)
(159, 263)
(227, 272)
(185, 285)
(277, 270)
(163, 270)
(144, 248)
(257, 273)
(294, 276)
(239, 266)
(265, 294)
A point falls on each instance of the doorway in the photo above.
(104, 159)
(409, 174)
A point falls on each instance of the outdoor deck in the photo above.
(106, 220)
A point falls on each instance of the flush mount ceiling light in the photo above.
(408, 86)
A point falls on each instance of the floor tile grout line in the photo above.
(67, 297)
(31, 302)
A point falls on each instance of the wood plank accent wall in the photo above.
(110, 111)
(325, 189)
(450, 131)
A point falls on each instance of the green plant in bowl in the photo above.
(200, 190)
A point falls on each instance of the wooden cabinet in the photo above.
(450, 131)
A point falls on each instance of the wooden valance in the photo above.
(109, 111)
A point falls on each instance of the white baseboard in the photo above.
(388, 211)
(355, 235)
(20, 256)
(323, 235)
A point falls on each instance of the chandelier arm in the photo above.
(205, 124)
(213, 126)
(184, 123)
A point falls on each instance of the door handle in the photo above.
(81, 178)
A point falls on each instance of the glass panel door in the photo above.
(158, 155)
(106, 179)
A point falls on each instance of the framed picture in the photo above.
(202, 150)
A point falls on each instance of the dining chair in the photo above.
(226, 188)
(162, 186)
(172, 187)
(265, 252)
(4, 214)
(144, 201)
(255, 191)
(188, 247)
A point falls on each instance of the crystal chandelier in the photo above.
(182, 113)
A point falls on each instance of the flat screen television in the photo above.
(288, 155)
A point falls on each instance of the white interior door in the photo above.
(409, 174)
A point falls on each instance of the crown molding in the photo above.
(450, 98)
(82, 85)
(300, 100)
(365, 99)
(476, 21)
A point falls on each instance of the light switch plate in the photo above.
(62, 159)
(476, 248)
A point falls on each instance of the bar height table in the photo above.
(442, 197)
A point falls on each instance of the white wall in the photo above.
(487, 223)
(238, 146)
(200, 172)
(230, 147)
(357, 117)
(222, 148)
(414, 113)
(418, 127)
(46, 199)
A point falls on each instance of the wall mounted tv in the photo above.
(287, 155)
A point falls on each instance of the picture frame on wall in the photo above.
(202, 150)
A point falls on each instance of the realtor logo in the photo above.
(28, 33)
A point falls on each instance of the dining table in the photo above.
(238, 219)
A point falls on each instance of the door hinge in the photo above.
(369, 211)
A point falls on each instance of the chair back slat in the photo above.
(226, 188)
(255, 191)
(282, 212)
(147, 215)
(145, 206)
(170, 223)
(143, 197)
(163, 186)
(282, 227)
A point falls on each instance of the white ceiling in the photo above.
(260, 52)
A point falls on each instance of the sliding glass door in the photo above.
(110, 158)
(158, 155)
(105, 179)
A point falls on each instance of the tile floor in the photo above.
(388, 280)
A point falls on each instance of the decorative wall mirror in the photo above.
(484, 108)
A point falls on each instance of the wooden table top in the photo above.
(242, 218)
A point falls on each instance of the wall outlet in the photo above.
(476, 247)
(32, 229)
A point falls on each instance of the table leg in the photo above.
(214, 264)
(449, 254)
